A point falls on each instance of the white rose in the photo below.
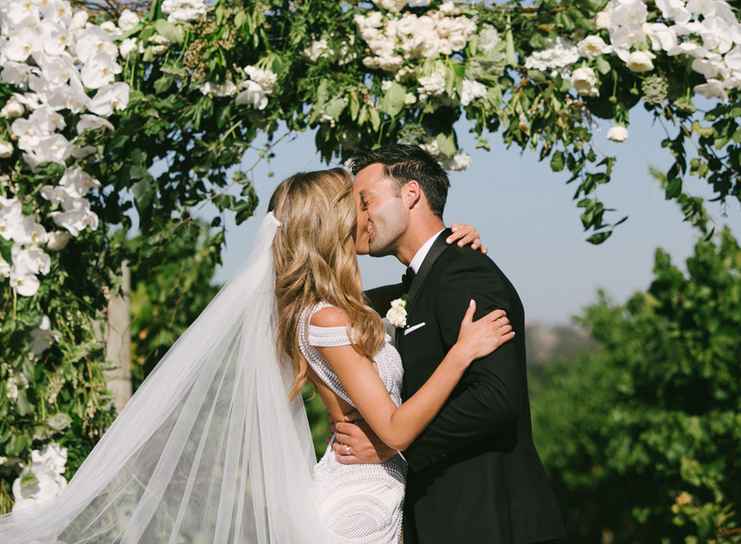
(13, 108)
(617, 133)
(128, 20)
(25, 285)
(640, 61)
(661, 36)
(253, 95)
(127, 47)
(471, 90)
(6, 149)
(316, 50)
(488, 38)
(12, 389)
(58, 240)
(459, 162)
(712, 89)
(593, 46)
(35, 486)
(184, 10)
(585, 82)
(432, 85)
(397, 314)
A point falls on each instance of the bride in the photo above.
(215, 447)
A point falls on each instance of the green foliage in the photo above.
(642, 438)
(168, 292)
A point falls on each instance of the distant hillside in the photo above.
(546, 343)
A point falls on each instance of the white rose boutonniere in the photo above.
(397, 314)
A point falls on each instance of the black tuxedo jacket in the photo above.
(474, 474)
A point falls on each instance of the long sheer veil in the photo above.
(208, 450)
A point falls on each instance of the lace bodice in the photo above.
(387, 360)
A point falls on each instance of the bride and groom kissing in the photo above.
(433, 440)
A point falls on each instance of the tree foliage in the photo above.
(643, 437)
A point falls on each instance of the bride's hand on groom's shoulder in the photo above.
(355, 443)
(464, 235)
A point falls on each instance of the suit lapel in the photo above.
(438, 246)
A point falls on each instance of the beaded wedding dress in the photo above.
(357, 503)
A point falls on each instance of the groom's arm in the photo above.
(487, 401)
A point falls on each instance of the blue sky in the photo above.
(527, 218)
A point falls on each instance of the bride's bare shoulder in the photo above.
(331, 316)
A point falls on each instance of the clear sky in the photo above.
(527, 218)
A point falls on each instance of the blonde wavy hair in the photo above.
(315, 260)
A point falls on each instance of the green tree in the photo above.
(642, 438)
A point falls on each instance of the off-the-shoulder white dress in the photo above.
(358, 503)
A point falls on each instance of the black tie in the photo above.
(406, 279)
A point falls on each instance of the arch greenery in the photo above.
(112, 119)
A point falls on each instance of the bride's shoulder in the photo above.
(329, 316)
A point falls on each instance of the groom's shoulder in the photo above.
(458, 259)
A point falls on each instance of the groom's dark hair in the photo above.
(404, 163)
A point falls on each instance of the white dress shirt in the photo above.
(422, 252)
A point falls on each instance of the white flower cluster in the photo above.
(459, 162)
(394, 38)
(472, 90)
(397, 5)
(555, 59)
(320, 48)
(54, 57)
(706, 30)
(179, 11)
(43, 480)
(12, 385)
(317, 50)
(256, 89)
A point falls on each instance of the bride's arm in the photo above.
(399, 426)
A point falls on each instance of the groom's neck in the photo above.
(419, 231)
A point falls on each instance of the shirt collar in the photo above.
(422, 252)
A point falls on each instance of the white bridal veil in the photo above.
(209, 450)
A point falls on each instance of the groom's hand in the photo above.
(356, 443)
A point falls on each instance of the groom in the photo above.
(474, 474)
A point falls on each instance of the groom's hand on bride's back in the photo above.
(355, 443)
(465, 235)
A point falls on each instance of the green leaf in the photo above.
(174, 70)
(171, 31)
(375, 118)
(446, 144)
(557, 161)
(674, 188)
(335, 107)
(510, 51)
(599, 237)
(603, 67)
(162, 84)
(393, 101)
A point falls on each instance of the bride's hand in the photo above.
(465, 235)
(483, 336)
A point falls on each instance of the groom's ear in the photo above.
(412, 193)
